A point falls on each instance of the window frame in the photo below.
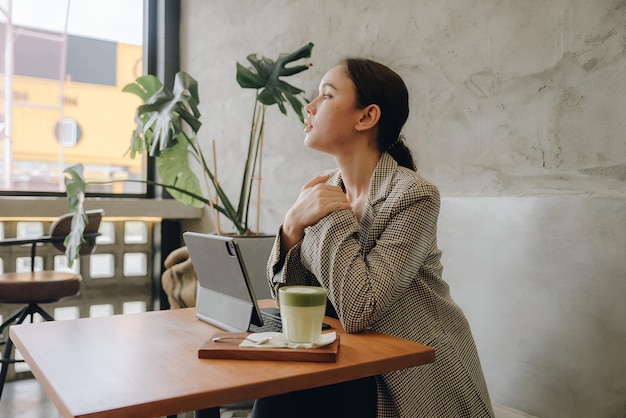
(161, 57)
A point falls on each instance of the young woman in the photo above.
(367, 232)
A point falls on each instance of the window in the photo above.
(63, 64)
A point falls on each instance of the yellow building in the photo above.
(98, 118)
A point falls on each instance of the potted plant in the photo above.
(167, 126)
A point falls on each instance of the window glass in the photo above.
(60, 265)
(101, 266)
(100, 310)
(28, 230)
(22, 264)
(135, 264)
(135, 232)
(107, 233)
(134, 307)
(66, 312)
(63, 65)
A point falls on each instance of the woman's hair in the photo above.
(378, 84)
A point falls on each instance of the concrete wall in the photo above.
(518, 113)
(541, 280)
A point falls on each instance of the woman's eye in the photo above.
(326, 96)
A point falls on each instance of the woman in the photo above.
(366, 232)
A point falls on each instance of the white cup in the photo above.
(302, 311)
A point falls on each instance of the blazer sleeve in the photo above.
(288, 272)
(366, 275)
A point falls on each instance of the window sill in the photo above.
(22, 207)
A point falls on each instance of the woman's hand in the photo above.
(316, 200)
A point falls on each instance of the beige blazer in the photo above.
(384, 274)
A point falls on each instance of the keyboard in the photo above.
(271, 321)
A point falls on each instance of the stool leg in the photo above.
(16, 319)
(22, 313)
(6, 362)
(34, 308)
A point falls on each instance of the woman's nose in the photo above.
(309, 107)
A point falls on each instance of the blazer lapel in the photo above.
(379, 189)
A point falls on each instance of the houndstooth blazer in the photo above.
(384, 274)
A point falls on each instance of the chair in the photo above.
(34, 288)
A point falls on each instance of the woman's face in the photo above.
(333, 114)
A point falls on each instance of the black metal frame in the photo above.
(161, 57)
(31, 308)
(90, 237)
(17, 318)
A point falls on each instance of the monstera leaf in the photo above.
(174, 170)
(265, 75)
(167, 123)
(164, 114)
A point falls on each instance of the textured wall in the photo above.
(541, 280)
(517, 114)
(507, 98)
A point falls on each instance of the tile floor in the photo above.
(26, 399)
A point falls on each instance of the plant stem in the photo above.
(217, 215)
(259, 176)
(244, 196)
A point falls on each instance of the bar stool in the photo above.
(34, 288)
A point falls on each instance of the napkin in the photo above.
(278, 340)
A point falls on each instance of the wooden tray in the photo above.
(230, 349)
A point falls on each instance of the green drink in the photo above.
(302, 311)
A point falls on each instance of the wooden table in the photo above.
(146, 364)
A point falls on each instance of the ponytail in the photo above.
(401, 153)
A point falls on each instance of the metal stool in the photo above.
(32, 288)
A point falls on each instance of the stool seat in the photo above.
(46, 286)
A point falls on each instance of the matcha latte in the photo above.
(302, 311)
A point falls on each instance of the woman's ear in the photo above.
(370, 115)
